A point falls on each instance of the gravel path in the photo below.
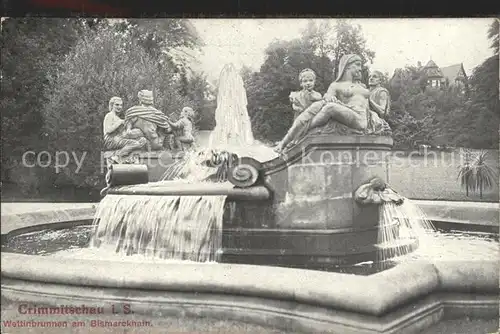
(18, 208)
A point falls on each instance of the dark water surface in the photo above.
(73, 243)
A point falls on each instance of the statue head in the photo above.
(307, 79)
(145, 97)
(352, 64)
(187, 112)
(375, 78)
(115, 104)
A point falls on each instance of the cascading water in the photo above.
(172, 227)
(398, 226)
(401, 223)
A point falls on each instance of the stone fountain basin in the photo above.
(404, 299)
(407, 298)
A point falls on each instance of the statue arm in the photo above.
(176, 125)
(295, 101)
(315, 96)
(331, 93)
(129, 123)
(381, 106)
(111, 123)
(296, 107)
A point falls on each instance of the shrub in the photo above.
(475, 174)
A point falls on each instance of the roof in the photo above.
(431, 64)
(432, 70)
(453, 71)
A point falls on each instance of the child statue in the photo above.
(185, 126)
(305, 97)
(301, 100)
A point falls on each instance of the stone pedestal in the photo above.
(313, 220)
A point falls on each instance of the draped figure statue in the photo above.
(153, 123)
(118, 136)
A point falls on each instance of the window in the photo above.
(435, 83)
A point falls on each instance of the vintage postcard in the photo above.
(301, 175)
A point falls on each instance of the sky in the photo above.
(396, 42)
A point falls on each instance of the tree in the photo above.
(493, 35)
(103, 64)
(426, 114)
(32, 51)
(338, 40)
(482, 112)
(412, 109)
(159, 36)
(196, 89)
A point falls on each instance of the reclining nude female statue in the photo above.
(346, 102)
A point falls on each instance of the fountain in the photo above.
(280, 243)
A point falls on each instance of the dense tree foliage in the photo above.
(195, 87)
(482, 114)
(332, 41)
(417, 110)
(59, 74)
(32, 50)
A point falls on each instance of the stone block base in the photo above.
(157, 161)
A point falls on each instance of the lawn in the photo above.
(15, 193)
(435, 177)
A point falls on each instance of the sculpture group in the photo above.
(143, 128)
(348, 106)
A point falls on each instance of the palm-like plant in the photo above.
(475, 174)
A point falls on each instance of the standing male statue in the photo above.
(380, 99)
(118, 136)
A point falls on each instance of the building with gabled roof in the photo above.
(437, 77)
(432, 70)
(453, 75)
